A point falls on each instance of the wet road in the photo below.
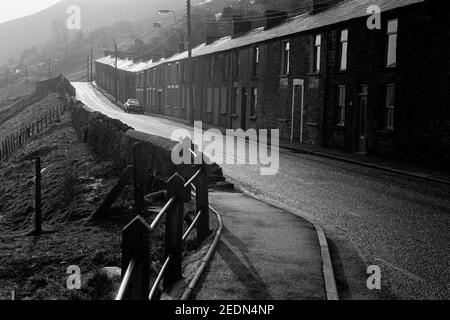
(400, 224)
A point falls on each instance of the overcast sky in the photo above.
(13, 9)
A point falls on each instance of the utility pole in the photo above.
(26, 74)
(116, 75)
(49, 73)
(87, 67)
(6, 75)
(190, 64)
(92, 57)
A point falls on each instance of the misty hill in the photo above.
(19, 34)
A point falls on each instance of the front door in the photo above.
(362, 125)
(244, 109)
(159, 102)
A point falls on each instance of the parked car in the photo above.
(133, 105)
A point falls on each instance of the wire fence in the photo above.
(29, 131)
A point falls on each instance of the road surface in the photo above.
(371, 217)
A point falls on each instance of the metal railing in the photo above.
(136, 262)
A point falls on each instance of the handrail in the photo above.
(161, 213)
(193, 152)
(158, 279)
(191, 227)
(176, 187)
(192, 178)
(125, 280)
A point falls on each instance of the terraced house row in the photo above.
(336, 76)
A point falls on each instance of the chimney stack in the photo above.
(168, 53)
(274, 18)
(321, 5)
(240, 25)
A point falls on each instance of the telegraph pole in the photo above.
(87, 68)
(190, 64)
(92, 57)
(26, 74)
(49, 73)
(116, 76)
(6, 75)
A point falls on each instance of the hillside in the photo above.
(19, 34)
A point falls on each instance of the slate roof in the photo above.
(343, 11)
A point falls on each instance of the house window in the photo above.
(216, 105)
(255, 61)
(183, 72)
(341, 106)
(254, 102)
(177, 72)
(344, 49)
(210, 100)
(236, 64)
(235, 100)
(317, 52)
(285, 58)
(392, 43)
(223, 100)
(225, 65)
(194, 70)
(390, 107)
(211, 67)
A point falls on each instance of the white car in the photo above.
(133, 105)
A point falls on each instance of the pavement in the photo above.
(264, 253)
(397, 167)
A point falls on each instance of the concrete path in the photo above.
(264, 253)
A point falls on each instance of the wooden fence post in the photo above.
(135, 245)
(174, 230)
(139, 179)
(202, 201)
(38, 203)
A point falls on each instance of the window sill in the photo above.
(234, 116)
(315, 73)
(283, 76)
(340, 126)
(254, 77)
(391, 66)
(252, 118)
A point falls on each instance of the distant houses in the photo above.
(323, 78)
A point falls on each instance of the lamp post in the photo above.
(165, 11)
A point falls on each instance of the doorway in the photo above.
(362, 119)
(159, 102)
(244, 109)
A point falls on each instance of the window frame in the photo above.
(317, 53)
(256, 61)
(236, 64)
(234, 100)
(343, 50)
(391, 34)
(341, 104)
(253, 102)
(389, 107)
(285, 57)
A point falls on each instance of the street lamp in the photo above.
(164, 12)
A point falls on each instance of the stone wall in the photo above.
(113, 140)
